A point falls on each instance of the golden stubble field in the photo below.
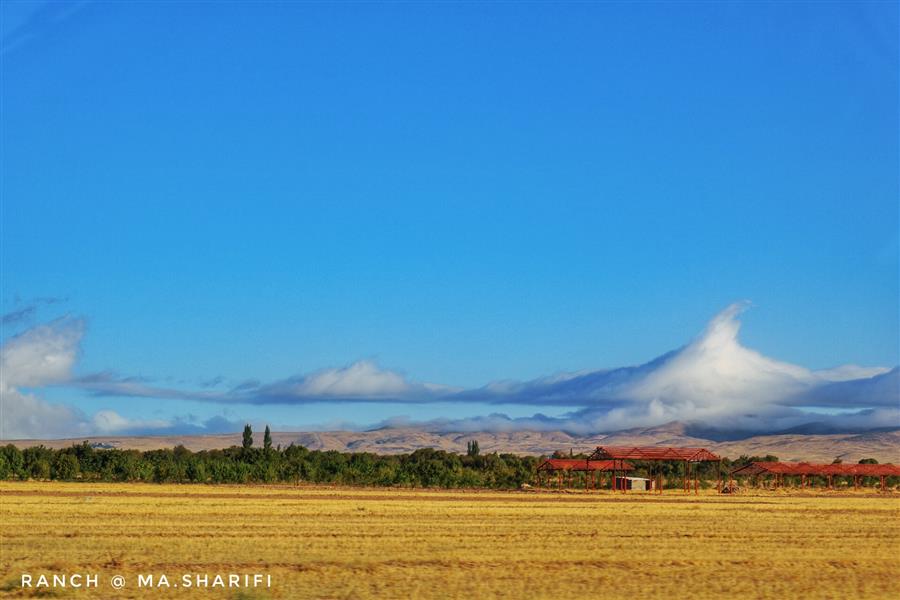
(320, 542)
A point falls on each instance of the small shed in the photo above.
(640, 484)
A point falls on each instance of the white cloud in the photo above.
(362, 381)
(362, 378)
(25, 415)
(714, 371)
(111, 422)
(713, 380)
(40, 356)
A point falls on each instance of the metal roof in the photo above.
(653, 453)
(804, 468)
(582, 464)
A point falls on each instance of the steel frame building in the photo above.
(565, 467)
(688, 456)
(776, 472)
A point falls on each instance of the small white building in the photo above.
(634, 483)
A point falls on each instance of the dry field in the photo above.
(386, 543)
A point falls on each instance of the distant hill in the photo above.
(882, 445)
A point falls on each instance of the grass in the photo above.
(321, 542)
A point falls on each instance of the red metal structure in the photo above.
(776, 471)
(567, 466)
(688, 456)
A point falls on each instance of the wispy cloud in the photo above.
(111, 384)
(362, 381)
(21, 315)
(26, 314)
(590, 422)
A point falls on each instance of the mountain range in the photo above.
(881, 445)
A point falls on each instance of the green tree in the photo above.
(868, 461)
(40, 469)
(66, 467)
(267, 440)
(247, 442)
(14, 461)
(472, 448)
(196, 471)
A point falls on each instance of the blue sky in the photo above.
(461, 193)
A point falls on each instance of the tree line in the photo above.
(247, 463)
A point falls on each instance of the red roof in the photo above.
(804, 468)
(653, 453)
(582, 464)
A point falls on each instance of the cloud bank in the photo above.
(45, 355)
(362, 381)
(713, 382)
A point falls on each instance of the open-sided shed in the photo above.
(775, 472)
(688, 456)
(565, 467)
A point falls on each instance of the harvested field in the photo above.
(318, 542)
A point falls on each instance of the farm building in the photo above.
(621, 462)
(591, 471)
(653, 454)
(640, 484)
(772, 474)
